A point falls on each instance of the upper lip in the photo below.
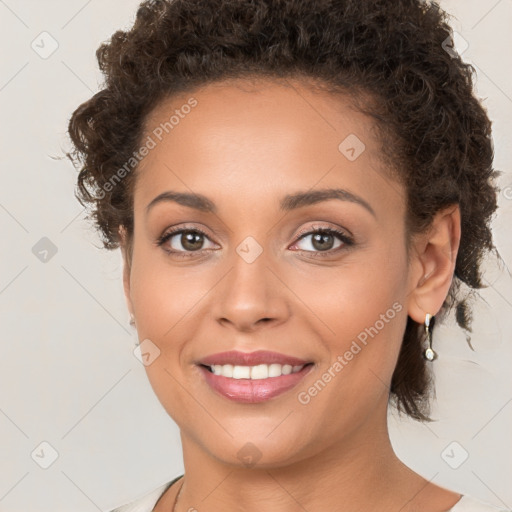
(235, 357)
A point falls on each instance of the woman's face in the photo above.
(252, 283)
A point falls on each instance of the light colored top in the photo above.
(147, 502)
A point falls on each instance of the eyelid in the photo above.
(324, 227)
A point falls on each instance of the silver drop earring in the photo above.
(429, 353)
(134, 332)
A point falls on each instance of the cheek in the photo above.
(167, 299)
(361, 312)
(163, 298)
(365, 314)
(353, 296)
(154, 289)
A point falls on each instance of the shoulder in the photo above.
(470, 504)
(146, 502)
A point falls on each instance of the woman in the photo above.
(298, 189)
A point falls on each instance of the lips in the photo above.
(237, 358)
(253, 390)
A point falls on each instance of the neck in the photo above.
(356, 473)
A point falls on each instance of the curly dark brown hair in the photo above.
(391, 58)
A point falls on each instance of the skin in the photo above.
(245, 146)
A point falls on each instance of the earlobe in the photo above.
(435, 255)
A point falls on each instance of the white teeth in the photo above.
(226, 370)
(261, 371)
(241, 372)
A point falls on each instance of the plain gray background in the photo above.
(68, 376)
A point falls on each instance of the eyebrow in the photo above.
(288, 202)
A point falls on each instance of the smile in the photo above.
(252, 384)
(261, 371)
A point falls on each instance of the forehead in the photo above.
(260, 137)
(259, 107)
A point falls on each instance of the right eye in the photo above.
(190, 239)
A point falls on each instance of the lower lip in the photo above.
(253, 391)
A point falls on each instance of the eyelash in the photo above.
(347, 241)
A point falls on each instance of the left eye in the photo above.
(323, 240)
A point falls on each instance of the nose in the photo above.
(250, 296)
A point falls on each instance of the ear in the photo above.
(125, 252)
(433, 258)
